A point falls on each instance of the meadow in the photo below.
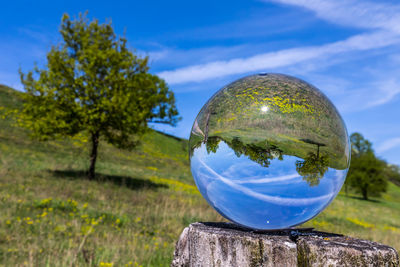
(133, 213)
(298, 117)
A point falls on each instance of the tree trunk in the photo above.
(206, 129)
(93, 155)
(364, 193)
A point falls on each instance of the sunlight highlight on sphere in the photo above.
(269, 151)
(264, 109)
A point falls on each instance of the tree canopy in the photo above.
(312, 168)
(359, 145)
(392, 173)
(94, 84)
(366, 174)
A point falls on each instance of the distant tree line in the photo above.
(368, 175)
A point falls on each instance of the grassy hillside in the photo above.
(297, 114)
(50, 215)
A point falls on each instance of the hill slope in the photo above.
(133, 214)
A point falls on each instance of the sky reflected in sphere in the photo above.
(269, 151)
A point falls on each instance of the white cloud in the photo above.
(283, 178)
(37, 34)
(388, 145)
(216, 69)
(287, 201)
(383, 20)
(257, 23)
(372, 92)
(277, 59)
(387, 91)
(203, 54)
(385, 17)
(364, 14)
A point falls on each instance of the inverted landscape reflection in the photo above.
(269, 151)
(249, 194)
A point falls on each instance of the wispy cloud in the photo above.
(36, 34)
(388, 90)
(373, 92)
(382, 24)
(277, 59)
(28, 46)
(388, 145)
(182, 57)
(287, 201)
(363, 14)
(262, 23)
(284, 178)
(385, 17)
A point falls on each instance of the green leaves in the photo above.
(313, 168)
(93, 83)
(366, 173)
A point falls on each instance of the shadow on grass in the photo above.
(126, 181)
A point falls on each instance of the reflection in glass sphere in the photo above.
(269, 151)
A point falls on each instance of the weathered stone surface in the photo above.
(208, 244)
(181, 255)
(225, 244)
(343, 251)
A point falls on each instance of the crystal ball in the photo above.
(269, 151)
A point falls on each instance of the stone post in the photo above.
(226, 244)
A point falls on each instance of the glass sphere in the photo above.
(269, 151)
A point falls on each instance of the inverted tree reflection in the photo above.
(312, 167)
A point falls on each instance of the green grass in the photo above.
(132, 215)
(296, 112)
(377, 219)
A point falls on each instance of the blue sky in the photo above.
(349, 49)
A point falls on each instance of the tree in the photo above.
(94, 84)
(312, 168)
(366, 173)
(212, 144)
(359, 145)
(392, 173)
(256, 153)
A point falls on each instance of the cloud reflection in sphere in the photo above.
(269, 151)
